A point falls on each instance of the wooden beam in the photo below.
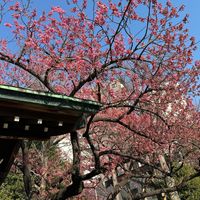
(8, 151)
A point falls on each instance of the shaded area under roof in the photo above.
(31, 114)
(36, 115)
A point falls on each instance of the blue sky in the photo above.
(192, 7)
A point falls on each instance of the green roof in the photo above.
(21, 109)
(47, 99)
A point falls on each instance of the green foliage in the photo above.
(13, 188)
(192, 190)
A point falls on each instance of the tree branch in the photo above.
(10, 60)
(76, 186)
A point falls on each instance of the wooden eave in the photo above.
(27, 114)
(39, 115)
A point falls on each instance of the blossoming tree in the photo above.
(133, 56)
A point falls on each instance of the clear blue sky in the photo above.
(192, 7)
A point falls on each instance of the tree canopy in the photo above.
(135, 58)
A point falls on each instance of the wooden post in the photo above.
(8, 150)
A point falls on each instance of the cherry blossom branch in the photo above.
(146, 31)
(76, 186)
(95, 73)
(10, 60)
(131, 157)
(155, 114)
(98, 169)
(154, 192)
(178, 187)
(139, 133)
(118, 29)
